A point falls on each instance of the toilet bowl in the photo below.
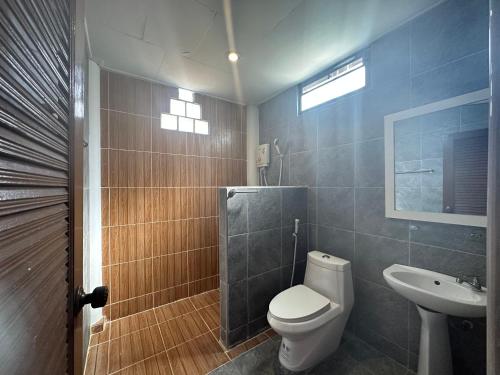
(311, 317)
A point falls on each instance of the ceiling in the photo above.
(281, 42)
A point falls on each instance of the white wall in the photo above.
(94, 174)
(252, 142)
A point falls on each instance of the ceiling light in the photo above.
(233, 56)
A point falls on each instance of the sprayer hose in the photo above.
(295, 240)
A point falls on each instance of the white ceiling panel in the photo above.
(181, 30)
(126, 16)
(190, 74)
(118, 51)
(280, 42)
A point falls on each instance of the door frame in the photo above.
(76, 360)
(493, 229)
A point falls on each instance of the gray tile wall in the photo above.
(256, 254)
(337, 150)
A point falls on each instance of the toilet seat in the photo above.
(298, 304)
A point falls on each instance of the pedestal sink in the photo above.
(436, 296)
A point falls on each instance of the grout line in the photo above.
(156, 307)
(253, 347)
(136, 363)
(207, 248)
(87, 362)
(176, 154)
(211, 330)
(157, 221)
(108, 221)
(448, 249)
(163, 342)
(435, 68)
(133, 332)
(161, 290)
(152, 210)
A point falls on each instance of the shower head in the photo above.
(275, 143)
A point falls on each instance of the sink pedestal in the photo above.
(435, 352)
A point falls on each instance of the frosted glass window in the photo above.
(186, 124)
(193, 111)
(177, 107)
(168, 121)
(342, 81)
(186, 95)
(201, 127)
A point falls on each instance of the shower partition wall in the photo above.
(256, 253)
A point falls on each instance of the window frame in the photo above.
(360, 55)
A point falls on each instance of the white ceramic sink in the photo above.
(436, 296)
(437, 292)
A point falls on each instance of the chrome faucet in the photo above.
(473, 281)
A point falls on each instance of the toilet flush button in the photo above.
(326, 256)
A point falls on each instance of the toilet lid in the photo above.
(298, 303)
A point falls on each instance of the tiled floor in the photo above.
(178, 338)
(183, 338)
(353, 357)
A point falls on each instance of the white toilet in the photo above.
(311, 317)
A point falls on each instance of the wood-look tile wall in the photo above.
(159, 193)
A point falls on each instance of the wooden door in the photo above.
(39, 187)
(465, 172)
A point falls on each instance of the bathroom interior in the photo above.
(283, 186)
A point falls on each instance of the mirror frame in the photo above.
(389, 120)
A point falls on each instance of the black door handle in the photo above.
(97, 298)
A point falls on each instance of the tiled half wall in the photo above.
(256, 254)
(159, 193)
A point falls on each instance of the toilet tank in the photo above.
(331, 277)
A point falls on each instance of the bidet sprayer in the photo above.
(296, 229)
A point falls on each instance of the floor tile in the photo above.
(157, 365)
(173, 310)
(90, 361)
(132, 323)
(216, 333)
(205, 299)
(227, 369)
(262, 359)
(247, 345)
(270, 332)
(101, 337)
(211, 315)
(181, 329)
(130, 349)
(198, 356)
(97, 360)
(342, 366)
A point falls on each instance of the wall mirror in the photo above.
(437, 161)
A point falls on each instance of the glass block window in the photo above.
(186, 124)
(168, 121)
(185, 115)
(177, 107)
(201, 127)
(186, 95)
(193, 111)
